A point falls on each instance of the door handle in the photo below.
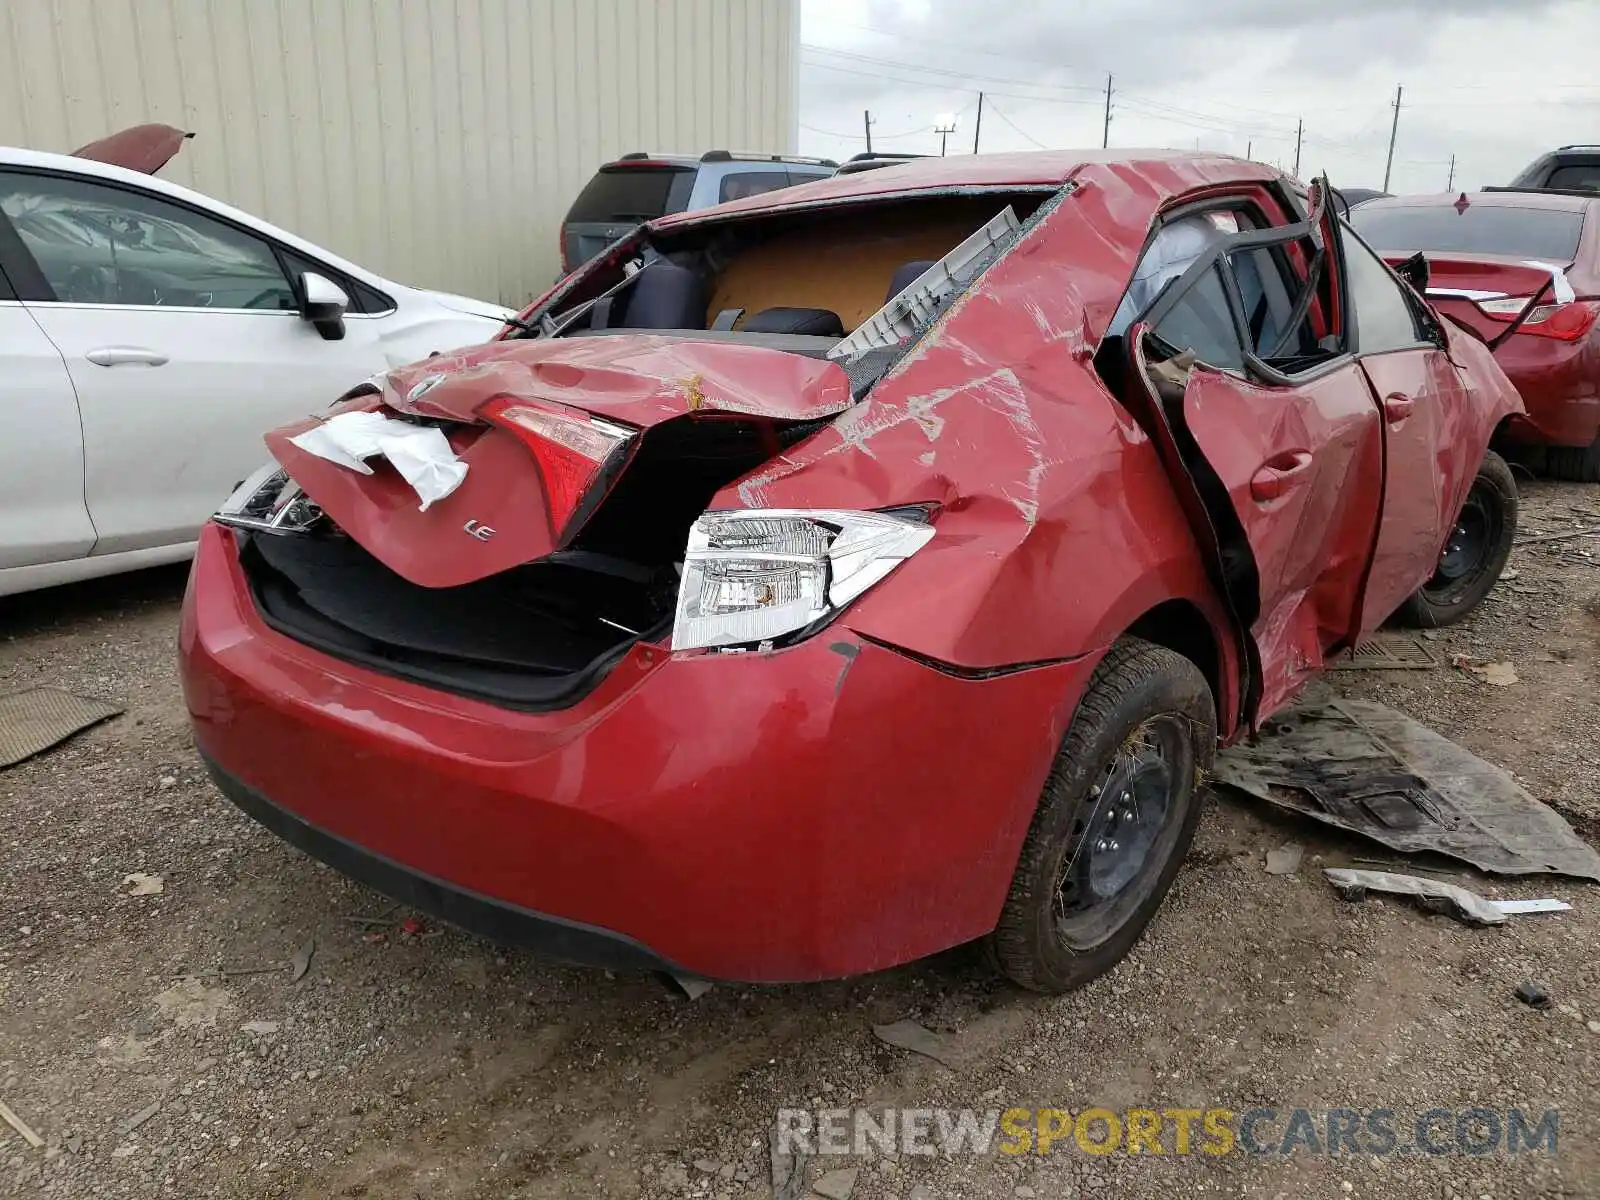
(1277, 475)
(126, 356)
(1397, 406)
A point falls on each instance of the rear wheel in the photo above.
(1474, 554)
(1117, 815)
(1580, 464)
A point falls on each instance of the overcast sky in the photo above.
(1494, 82)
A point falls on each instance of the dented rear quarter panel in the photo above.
(1058, 527)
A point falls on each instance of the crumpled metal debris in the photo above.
(1435, 894)
(1365, 768)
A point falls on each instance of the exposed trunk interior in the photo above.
(532, 637)
(541, 634)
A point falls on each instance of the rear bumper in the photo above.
(821, 811)
(1560, 386)
(554, 937)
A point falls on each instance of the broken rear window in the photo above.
(1479, 229)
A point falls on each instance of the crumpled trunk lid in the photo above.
(522, 414)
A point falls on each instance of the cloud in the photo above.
(1490, 82)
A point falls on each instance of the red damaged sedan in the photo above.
(1522, 270)
(819, 581)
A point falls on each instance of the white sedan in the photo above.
(149, 335)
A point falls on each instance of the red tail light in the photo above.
(1565, 322)
(575, 451)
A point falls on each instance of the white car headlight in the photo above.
(751, 575)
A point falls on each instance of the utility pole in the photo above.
(945, 127)
(1299, 133)
(1105, 137)
(1250, 150)
(1393, 129)
(977, 128)
(1450, 184)
(866, 123)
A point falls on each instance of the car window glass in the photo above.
(1549, 233)
(96, 244)
(751, 183)
(627, 195)
(1583, 177)
(1171, 252)
(1384, 318)
(363, 299)
(1200, 321)
(1269, 286)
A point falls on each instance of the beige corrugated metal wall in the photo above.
(438, 142)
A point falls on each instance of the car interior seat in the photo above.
(818, 322)
(664, 296)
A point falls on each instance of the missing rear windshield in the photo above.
(820, 281)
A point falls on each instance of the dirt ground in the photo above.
(416, 1063)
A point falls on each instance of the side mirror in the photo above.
(323, 303)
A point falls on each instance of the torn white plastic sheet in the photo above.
(1560, 286)
(420, 453)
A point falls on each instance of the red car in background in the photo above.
(848, 572)
(1489, 254)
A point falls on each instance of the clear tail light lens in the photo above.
(1565, 322)
(574, 451)
(271, 502)
(751, 576)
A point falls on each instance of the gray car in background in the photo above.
(639, 187)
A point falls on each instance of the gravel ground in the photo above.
(414, 1062)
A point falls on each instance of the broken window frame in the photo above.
(1217, 258)
(864, 369)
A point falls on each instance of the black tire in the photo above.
(1579, 464)
(1475, 554)
(1062, 924)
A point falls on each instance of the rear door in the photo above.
(1271, 430)
(183, 340)
(621, 196)
(1426, 418)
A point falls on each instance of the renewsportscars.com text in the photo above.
(950, 1132)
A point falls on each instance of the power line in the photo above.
(929, 86)
(995, 108)
(899, 64)
(946, 45)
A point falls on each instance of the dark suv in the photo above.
(1569, 169)
(640, 187)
